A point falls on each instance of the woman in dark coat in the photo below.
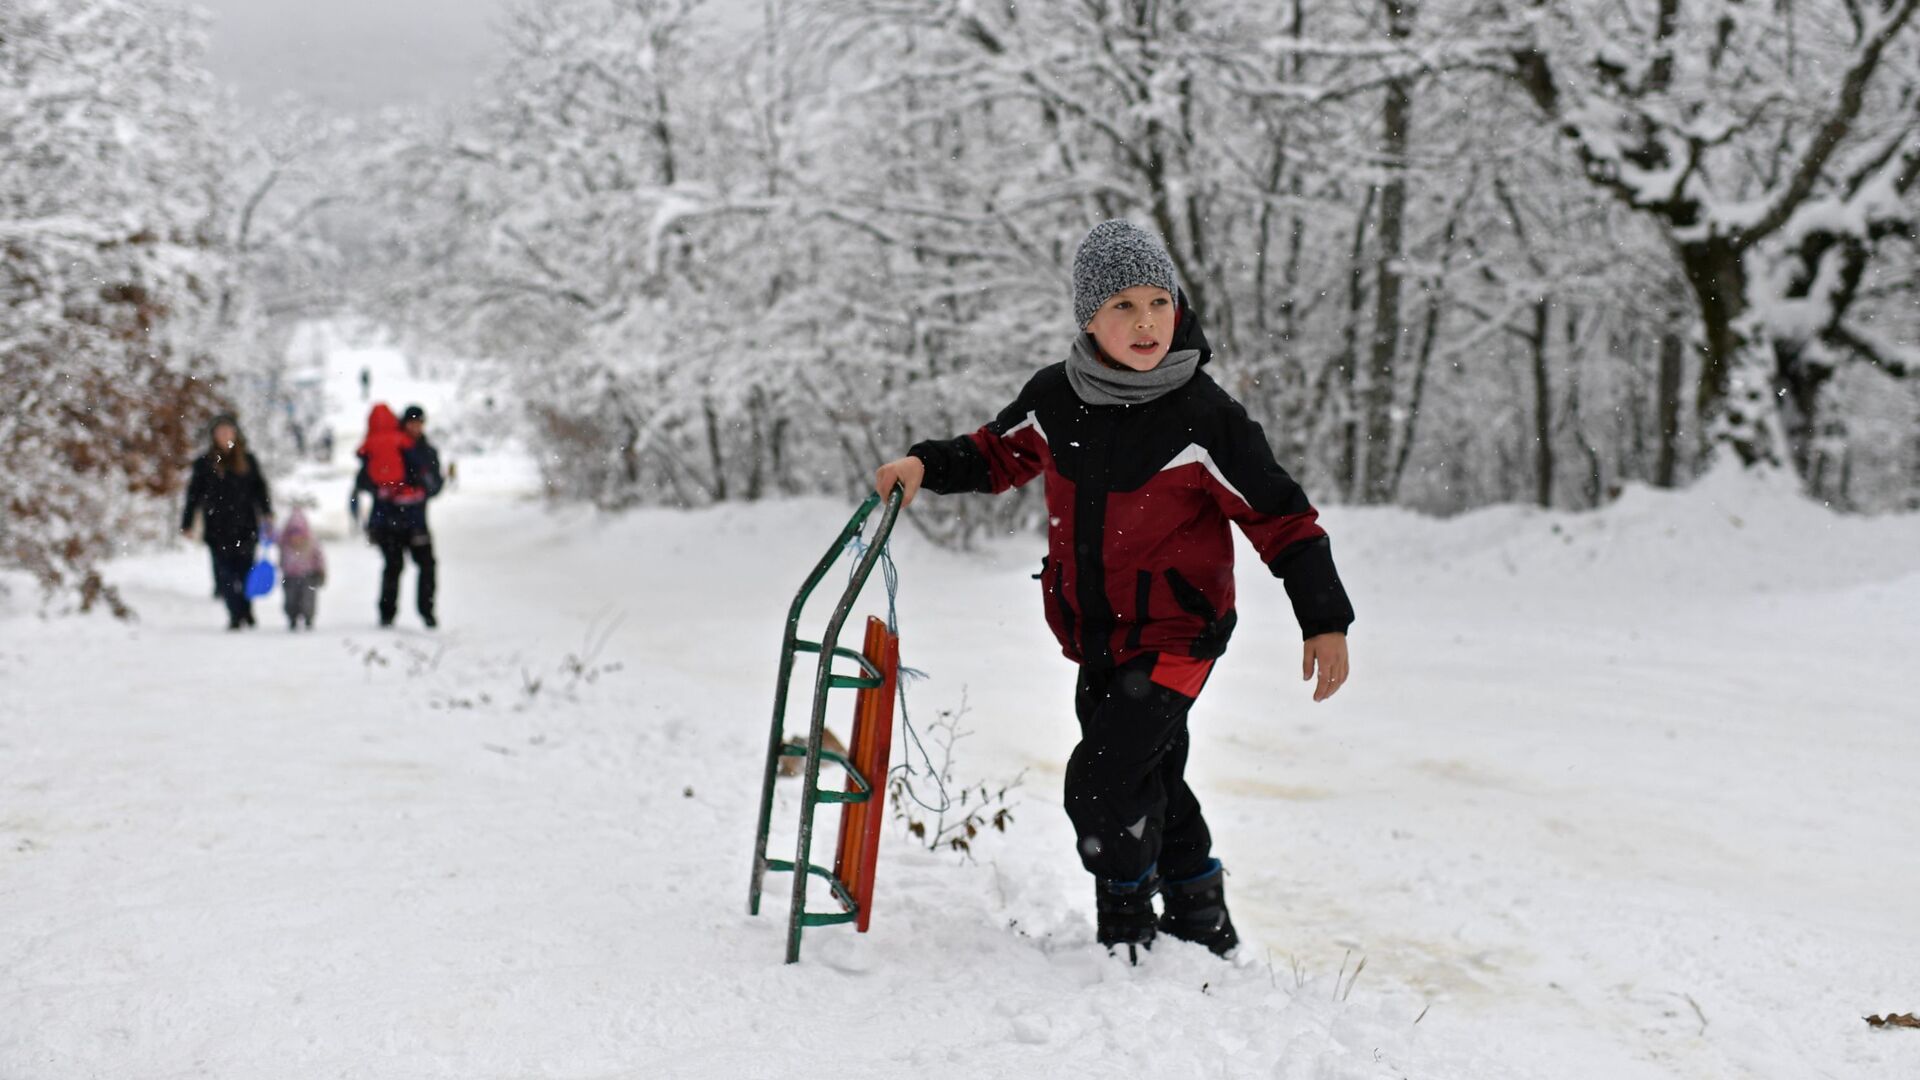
(231, 494)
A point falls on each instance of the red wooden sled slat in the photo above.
(869, 749)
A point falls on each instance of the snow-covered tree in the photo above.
(109, 276)
(1777, 147)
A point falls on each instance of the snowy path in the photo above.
(1614, 796)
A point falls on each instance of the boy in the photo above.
(1146, 459)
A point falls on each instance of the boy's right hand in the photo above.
(907, 472)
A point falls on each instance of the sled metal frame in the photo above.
(826, 680)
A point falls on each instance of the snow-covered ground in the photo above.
(1616, 795)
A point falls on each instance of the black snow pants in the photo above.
(230, 569)
(1126, 793)
(395, 545)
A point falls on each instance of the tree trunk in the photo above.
(777, 447)
(1295, 67)
(1672, 365)
(1411, 432)
(1720, 290)
(630, 457)
(1349, 358)
(1376, 396)
(1735, 366)
(1913, 472)
(1596, 473)
(1797, 387)
(1429, 332)
(1542, 405)
(757, 444)
(713, 450)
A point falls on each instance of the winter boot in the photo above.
(1197, 910)
(1124, 911)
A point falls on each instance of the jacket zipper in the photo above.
(1142, 601)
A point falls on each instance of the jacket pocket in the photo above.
(1211, 641)
(1190, 599)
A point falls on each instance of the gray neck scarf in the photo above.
(1098, 384)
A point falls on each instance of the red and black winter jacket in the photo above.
(1139, 558)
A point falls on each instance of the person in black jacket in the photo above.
(1145, 460)
(397, 521)
(230, 493)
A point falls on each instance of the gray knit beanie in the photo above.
(1116, 255)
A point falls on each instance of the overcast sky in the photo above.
(353, 54)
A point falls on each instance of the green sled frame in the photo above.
(827, 680)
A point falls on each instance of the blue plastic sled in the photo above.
(260, 578)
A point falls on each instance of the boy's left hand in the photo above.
(1328, 652)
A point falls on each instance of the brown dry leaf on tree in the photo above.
(1894, 1020)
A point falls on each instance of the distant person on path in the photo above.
(366, 384)
(229, 492)
(401, 470)
(1145, 460)
(303, 570)
(297, 428)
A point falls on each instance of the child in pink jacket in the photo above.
(303, 569)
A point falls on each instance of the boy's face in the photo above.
(1134, 327)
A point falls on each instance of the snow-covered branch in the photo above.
(1879, 33)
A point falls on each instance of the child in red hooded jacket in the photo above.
(383, 456)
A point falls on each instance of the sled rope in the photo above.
(905, 770)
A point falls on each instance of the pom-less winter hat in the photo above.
(412, 413)
(1116, 255)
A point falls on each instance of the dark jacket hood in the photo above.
(1187, 334)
